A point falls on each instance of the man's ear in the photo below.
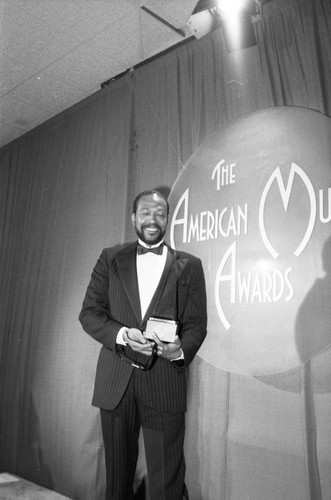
(133, 219)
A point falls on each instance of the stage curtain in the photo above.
(66, 192)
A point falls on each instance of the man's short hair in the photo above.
(148, 192)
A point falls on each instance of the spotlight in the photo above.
(235, 17)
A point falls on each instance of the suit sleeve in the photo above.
(95, 315)
(193, 314)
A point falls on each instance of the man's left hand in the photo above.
(168, 350)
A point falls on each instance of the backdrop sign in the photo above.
(254, 203)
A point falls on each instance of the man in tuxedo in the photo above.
(141, 382)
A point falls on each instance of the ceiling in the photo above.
(54, 53)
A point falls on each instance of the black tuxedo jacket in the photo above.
(112, 301)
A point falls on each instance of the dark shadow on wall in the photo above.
(313, 324)
(313, 340)
(312, 336)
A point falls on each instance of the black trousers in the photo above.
(163, 435)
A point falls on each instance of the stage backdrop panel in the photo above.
(254, 203)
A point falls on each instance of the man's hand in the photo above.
(169, 350)
(137, 341)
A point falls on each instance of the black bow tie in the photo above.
(143, 250)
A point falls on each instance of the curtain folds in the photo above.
(66, 192)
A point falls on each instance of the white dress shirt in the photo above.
(149, 271)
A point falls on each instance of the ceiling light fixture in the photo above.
(235, 17)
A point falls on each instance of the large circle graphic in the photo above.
(254, 203)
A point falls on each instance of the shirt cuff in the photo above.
(119, 338)
(179, 357)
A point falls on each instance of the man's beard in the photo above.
(154, 239)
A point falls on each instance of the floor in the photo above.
(13, 488)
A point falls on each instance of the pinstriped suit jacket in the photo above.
(112, 301)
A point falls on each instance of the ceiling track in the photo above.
(163, 21)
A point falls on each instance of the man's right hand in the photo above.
(137, 341)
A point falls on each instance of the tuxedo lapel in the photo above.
(126, 262)
(172, 270)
